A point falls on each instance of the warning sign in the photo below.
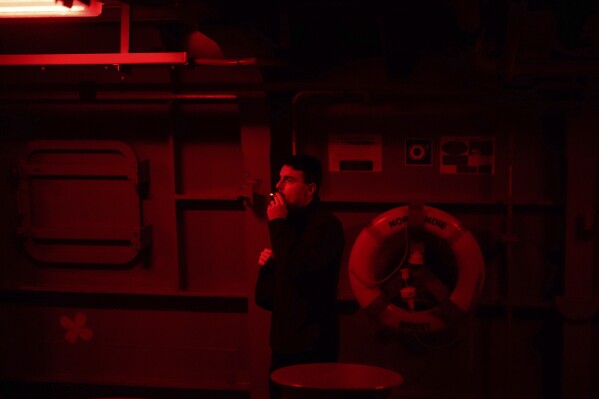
(419, 152)
(355, 152)
(467, 155)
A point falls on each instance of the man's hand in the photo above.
(277, 208)
(265, 256)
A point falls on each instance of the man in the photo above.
(299, 275)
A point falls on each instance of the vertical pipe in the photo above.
(509, 240)
(179, 254)
(255, 144)
(125, 27)
(579, 303)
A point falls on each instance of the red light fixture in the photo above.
(49, 8)
(34, 8)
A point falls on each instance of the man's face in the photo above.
(291, 184)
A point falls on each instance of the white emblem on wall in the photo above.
(76, 328)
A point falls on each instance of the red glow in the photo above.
(94, 59)
(47, 8)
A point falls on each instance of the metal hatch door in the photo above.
(79, 202)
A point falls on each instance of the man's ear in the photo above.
(312, 188)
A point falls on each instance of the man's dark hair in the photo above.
(308, 164)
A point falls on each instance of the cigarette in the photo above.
(272, 195)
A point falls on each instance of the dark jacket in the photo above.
(300, 285)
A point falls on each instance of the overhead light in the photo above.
(49, 8)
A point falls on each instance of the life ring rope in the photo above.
(370, 294)
(372, 284)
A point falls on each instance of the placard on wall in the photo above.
(467, 155)
(355, 152)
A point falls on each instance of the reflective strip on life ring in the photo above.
(470, 268)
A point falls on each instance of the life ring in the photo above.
(389, 226)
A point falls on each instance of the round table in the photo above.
(335, 380)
